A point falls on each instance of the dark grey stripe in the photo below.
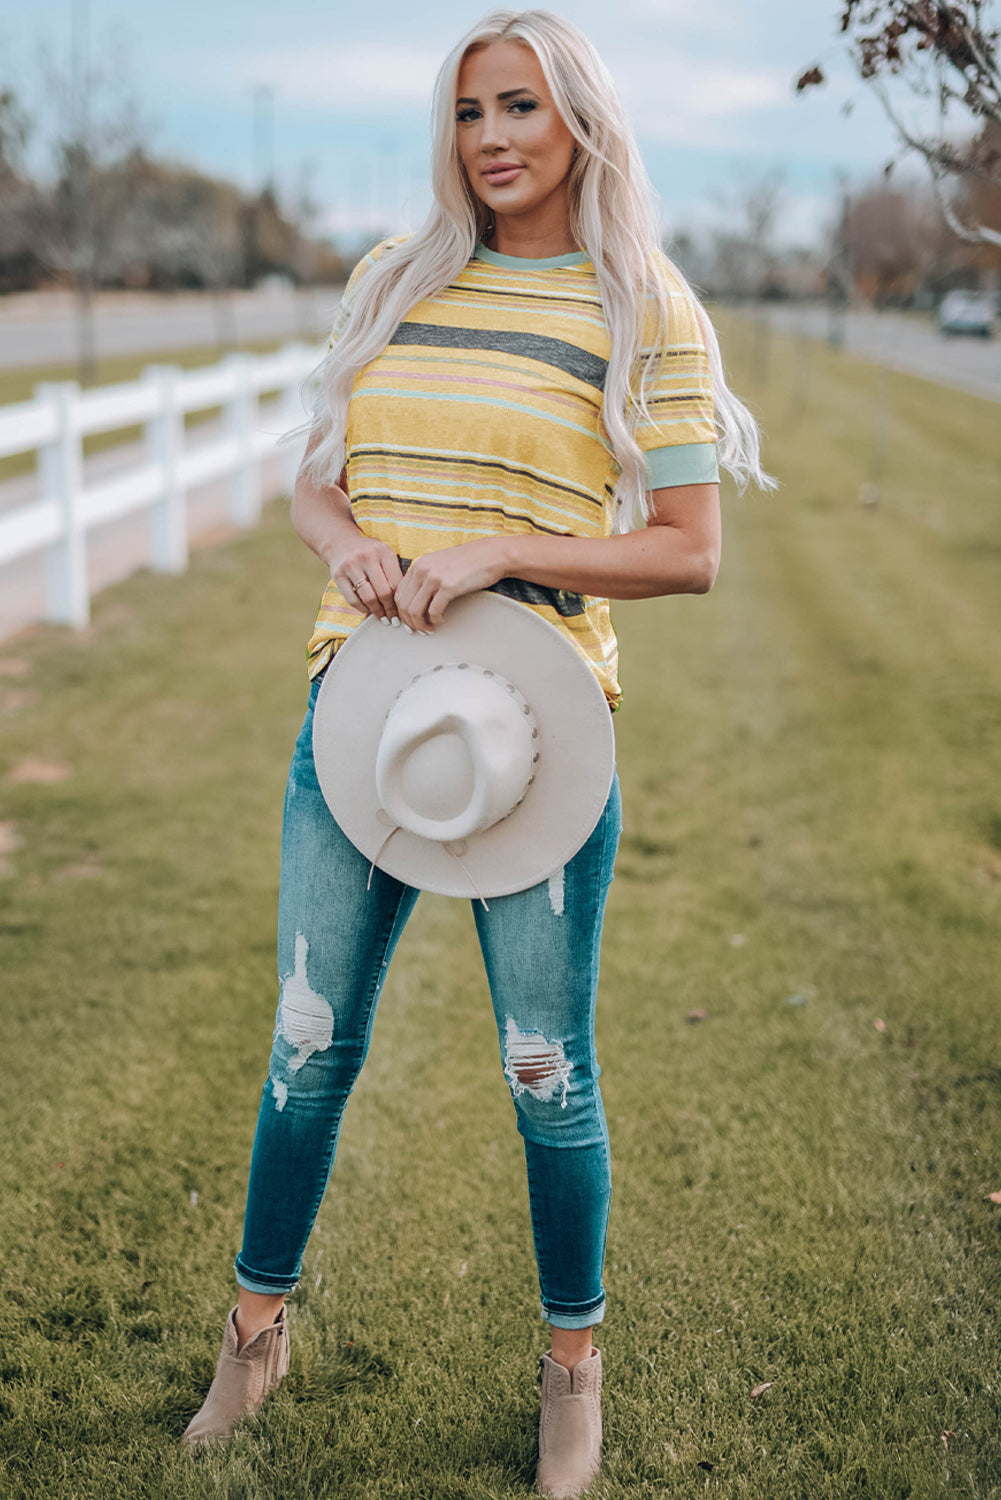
(557, 352)
(560, 600)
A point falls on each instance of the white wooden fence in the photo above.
(55, 422)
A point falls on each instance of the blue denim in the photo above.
(335, 941)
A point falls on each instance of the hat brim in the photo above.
(573, 776)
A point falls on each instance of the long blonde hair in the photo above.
(611, 215)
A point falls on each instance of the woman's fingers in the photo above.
(368, 582)
(414, 598)
(376, 593)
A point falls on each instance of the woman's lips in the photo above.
(498, 176)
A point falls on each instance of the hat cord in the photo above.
(382, 848)
(378, 855)
(469, 877)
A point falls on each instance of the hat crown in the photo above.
(353, 715)
(457, 752)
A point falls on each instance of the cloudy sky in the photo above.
(709, 88)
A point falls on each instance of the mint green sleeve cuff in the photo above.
(685, 463)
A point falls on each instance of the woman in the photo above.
(509, 394)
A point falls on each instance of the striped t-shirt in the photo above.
(483, 415)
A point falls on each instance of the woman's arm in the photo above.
(323, 518)
(677, 553)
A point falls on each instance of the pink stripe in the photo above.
(498, 385)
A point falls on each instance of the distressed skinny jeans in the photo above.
(335, 941)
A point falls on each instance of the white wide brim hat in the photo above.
(474, 761)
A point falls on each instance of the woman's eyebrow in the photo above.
(507, 94)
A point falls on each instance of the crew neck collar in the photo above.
(524, 263)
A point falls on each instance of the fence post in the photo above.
(168, 549)
(241, 423)
(60, 467)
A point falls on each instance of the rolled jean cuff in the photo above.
(573, 1320)
(268, 1286)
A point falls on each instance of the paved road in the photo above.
(904, 341)
(39, 328)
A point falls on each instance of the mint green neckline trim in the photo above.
(524, 263)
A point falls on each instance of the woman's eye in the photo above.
(523, 106)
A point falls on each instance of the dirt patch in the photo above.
(84, 869)
(44, 771)
(15, 699)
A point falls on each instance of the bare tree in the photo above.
(896, 240)
(14, 130)
(743, 244)
(19, 197)
(185, 230)
(948, 54)
(97, 150)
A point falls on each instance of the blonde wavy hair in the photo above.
(612, 216)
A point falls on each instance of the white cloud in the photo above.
(359, 75)
(675, 99)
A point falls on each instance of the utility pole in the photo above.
(262, 122)
(80, 169)
(264, 138)
(839, 276)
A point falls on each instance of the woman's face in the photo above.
(512, 140)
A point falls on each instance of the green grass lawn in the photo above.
(811, 767)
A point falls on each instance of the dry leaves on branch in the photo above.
(810, 77)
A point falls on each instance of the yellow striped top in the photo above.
(482, 415)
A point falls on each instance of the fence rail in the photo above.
(60, 415)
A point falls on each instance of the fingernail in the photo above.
(408, 630)
(383, 620)
(395, 620)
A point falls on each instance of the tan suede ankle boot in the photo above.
(242, 1380)
(569, 1426)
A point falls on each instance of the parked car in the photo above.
(967, 312)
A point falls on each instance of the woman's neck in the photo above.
(530, 242)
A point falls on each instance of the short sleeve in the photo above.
(343, 314)
(679, 440)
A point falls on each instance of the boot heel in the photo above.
(569, 1427)
(242, 1380)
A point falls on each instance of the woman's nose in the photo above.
(494, 133)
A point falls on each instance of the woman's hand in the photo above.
(366, 571)
(434, 580)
